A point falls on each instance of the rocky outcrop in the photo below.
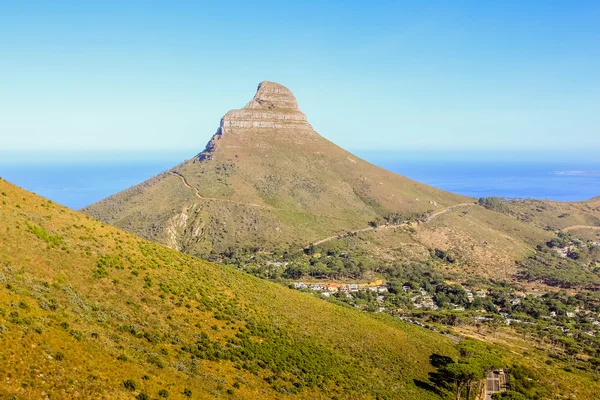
(272, 95)
(274, 106)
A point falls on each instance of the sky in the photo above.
(156, 77)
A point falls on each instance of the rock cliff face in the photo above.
(274, 106)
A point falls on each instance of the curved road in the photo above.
(445, 210)
(574, 227)
(389, 226)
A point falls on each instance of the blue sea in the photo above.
(78, 183)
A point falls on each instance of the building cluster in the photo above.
(422, 300)
(329, 288)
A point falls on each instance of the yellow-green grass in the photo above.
(85, 307)
(556, 215)
(484, 243)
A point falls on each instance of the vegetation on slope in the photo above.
(89, 311)
(564, 262)
(549, 215)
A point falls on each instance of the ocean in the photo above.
(561, 181)
(77, 184)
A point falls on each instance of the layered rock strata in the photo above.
(274, 106)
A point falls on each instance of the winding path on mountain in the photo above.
(445, 210)
(185, 182)
(327, 239)
(389, 226)
(575, 227)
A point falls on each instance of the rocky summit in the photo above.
(274, 106)
(266, 180)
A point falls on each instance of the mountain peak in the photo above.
(273, 95)
(273, 107)
(266, 178)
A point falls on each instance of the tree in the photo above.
(494, 203)
(508, 395)
(293, 272)
(463, 374)
(475, 361)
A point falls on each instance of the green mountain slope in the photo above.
(89, 311)
(266, 180)
(556, 215)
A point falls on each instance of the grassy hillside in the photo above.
(89, 311)
(553, 215)
(482, 243)
(486, 243)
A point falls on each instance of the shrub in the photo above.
(508, 395)
(42, 234)
(155, 359)
(100, 272)
(147, 282)
(77, 335)
(494, 203)
(187, 392)
(58, 356)
(130, 384)
(163, 393)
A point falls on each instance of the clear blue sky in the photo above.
(370, 75)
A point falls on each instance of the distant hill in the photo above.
(89, 311)
(267, 180)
